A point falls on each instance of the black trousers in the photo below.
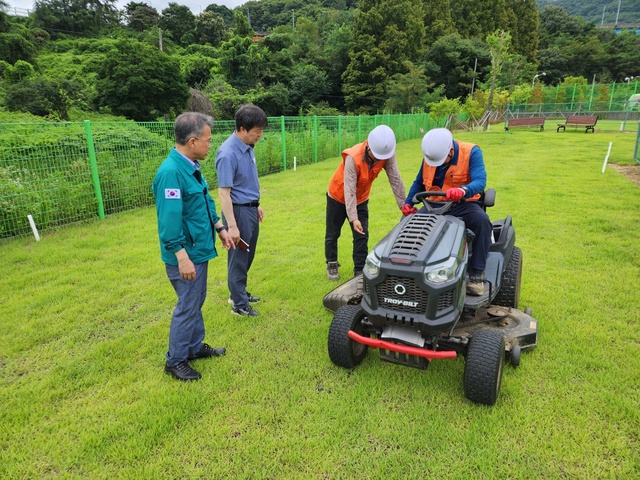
(336, 216)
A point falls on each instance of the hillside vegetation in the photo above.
(291, 57)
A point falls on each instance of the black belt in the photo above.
(250, 204)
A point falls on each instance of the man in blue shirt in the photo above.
(239, 193)
(187, 219)
(457, 168)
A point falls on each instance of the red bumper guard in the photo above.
(394, 347)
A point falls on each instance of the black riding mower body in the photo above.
(411, 302)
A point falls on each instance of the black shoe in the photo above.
(207, 351)
(244, 312)
(250, 299)
(182, 371)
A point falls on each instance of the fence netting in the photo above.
(63, 173)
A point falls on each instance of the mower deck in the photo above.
(517, 327)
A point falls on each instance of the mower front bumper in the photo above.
(406, 349)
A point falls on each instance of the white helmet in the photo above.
(436, 145)
(382, 142)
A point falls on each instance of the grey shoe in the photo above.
(475, 286)
(332, 271)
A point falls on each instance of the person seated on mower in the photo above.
(457, 168)
(348, 195)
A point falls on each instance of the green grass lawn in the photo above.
(86, 311)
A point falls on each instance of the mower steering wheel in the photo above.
(432, 206)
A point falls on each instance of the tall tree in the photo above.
(141, 16)
(407, 91)
(523, 21)
(178, 23)
(499, 43)
(241, 63)
(386, 34)
(455, 63)
(210, 28)
(140, 82)
(223, 11)
(308, 85)
(86, 17)
(478, 18)
(437, 20)
(242, 27)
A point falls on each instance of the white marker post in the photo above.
(33, 228)
(606, 159)
(294, 164)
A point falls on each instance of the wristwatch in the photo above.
(219, 229)
(465, 189)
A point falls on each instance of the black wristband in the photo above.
(219, 229)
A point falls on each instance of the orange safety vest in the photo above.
(457, 175)
(366, 175)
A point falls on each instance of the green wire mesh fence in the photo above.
(636, 153)
(63, 173)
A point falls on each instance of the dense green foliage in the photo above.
(292, 57)
(600, 11)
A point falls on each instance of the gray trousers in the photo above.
(239, 261)
(187, 325)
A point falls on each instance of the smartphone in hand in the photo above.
(243, 245)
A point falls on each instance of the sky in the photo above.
(196, 6)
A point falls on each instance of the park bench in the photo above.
(525, 122)
(587, 121)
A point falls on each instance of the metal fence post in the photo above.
(284, 144)
(315, 139)
(339, 134)
(636, 154)
(94, 169)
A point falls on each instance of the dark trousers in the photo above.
(476, 220)
(239, 261)
(336, 216)
(187, 325)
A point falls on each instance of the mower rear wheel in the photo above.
(509, 294)
(343, 351)
(483, 367)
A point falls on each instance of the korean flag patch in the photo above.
(172, 193)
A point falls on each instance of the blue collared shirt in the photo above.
(236, 168)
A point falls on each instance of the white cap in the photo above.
(436, 145)
(382, 142)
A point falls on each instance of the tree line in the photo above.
(292, 57)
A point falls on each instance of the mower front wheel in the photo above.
(343, 351)
(483, 367)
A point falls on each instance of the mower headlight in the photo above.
(372, 265)
(442, 272)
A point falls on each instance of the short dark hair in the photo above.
(249, 116)
(190, 124)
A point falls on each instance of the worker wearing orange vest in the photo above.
(457, 168)
(348, 194)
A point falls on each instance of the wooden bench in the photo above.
(525, 122)
(587, 121)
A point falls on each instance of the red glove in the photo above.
(455, 194)
(408, 210)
